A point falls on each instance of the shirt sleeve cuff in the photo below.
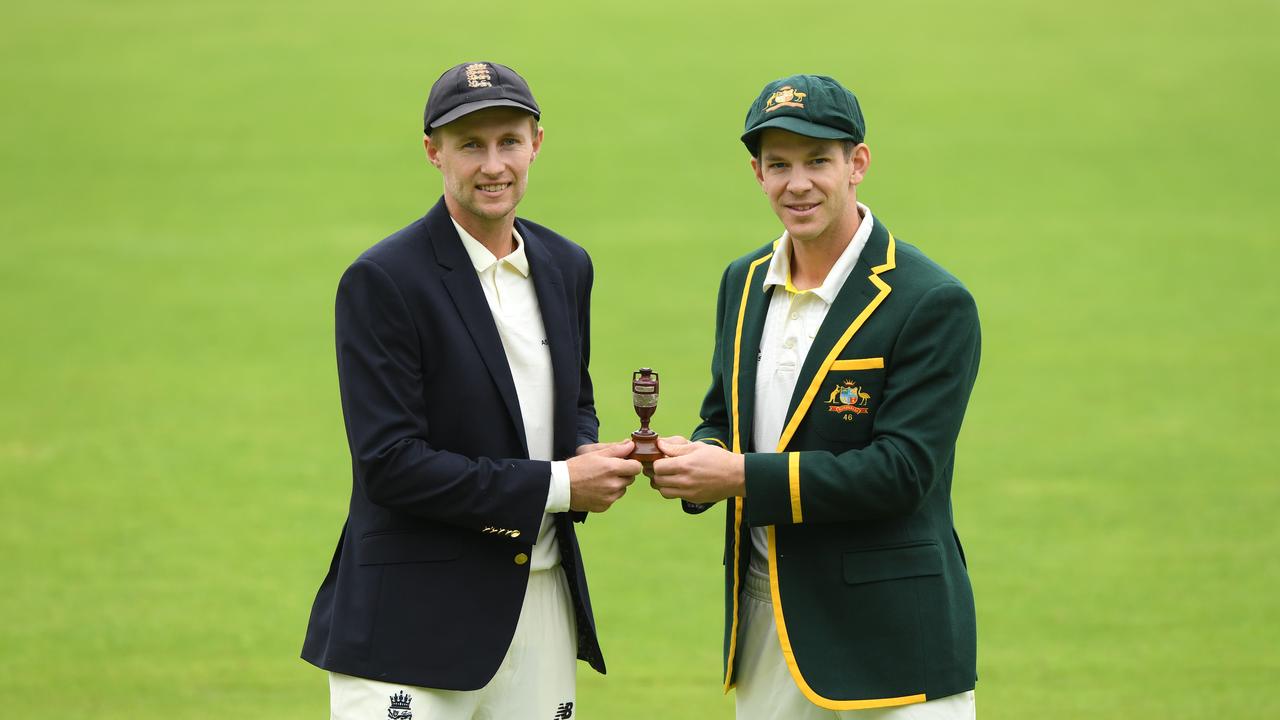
(558, 493)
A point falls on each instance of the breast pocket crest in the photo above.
(847, 400)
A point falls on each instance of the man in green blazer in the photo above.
(843, 363)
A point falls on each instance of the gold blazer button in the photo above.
(514, 533)
(521, 558)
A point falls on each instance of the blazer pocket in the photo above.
(897, 562)
(847, 400)
(859, 364)
(411, 546)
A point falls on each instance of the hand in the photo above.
(599, 476)
(670, 441)
(697, 472)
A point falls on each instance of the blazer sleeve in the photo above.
(588, 430)
(380, 375)
(715, 427)
(934, 363)
(588, 422)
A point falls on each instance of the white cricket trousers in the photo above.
(536, 679)
(766, 690)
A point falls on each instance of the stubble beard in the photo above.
(470, 200)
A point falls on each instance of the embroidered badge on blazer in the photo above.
(848, 397)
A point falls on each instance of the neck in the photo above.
(813, 258)
(497, 236)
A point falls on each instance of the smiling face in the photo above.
(485, 158)
(811, 184)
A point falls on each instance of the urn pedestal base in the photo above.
(646, 446)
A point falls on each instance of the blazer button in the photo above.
(515, 533)
(521, 558)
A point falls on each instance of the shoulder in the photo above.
(559, 246)
(912, 261)
(916, 273)
(923, 287)
(405, 250)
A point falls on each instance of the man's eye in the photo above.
(510, 141)
(820, 161)
(470, 145)
(777, 166)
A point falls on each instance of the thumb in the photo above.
(617, 450)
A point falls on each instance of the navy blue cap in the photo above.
(466, 88)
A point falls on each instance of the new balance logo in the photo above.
(564, 712)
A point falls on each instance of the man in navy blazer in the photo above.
(457, 587)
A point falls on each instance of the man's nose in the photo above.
(492, 164)
(799, 182)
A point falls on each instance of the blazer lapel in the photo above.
(548, 283)
(752, 309)
(862, 293)
(468, 297)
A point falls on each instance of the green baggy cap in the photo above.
(810, 105)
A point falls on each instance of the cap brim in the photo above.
(468, 108)
(799, 126)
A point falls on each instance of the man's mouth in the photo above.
(801, 208)
(494, 187)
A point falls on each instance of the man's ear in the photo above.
(537, 144)
(758, 170)
(433, 151)
(860, 162)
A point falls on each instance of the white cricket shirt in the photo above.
(508, 287)
(792, 321)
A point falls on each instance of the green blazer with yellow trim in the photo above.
(870, 592)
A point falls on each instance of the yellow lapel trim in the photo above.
(793, 463)
(818, 377)
(737, 448)
(737, 348)
(737, 584)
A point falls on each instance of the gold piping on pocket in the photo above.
(859, 364)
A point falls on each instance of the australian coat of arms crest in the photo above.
(848, 397)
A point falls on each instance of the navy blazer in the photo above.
(427, 581)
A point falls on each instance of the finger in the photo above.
(677, 449)
(669, 493)
(588, 448)
(674, 440)
(666, 482)
(666, 466)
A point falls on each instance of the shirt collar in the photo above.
(779, 271)
(482, 259)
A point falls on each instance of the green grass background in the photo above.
(181, 185)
